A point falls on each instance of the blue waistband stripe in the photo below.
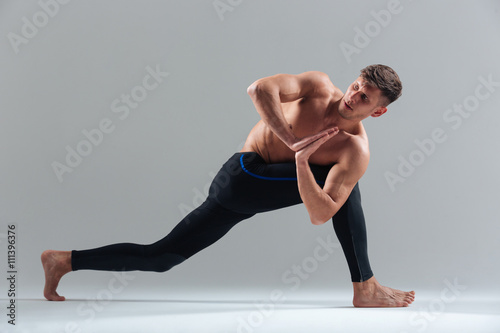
(258, 176)
(268, 178)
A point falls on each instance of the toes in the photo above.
(409, 300)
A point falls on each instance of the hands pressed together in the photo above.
(305, 147)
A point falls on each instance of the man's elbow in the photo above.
(256, 87)
(252, 89)
(319, 219)
(259, 87)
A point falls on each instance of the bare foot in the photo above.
(371, 294)
(55, 264)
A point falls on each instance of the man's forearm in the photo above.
(319, 204)
(268, 105)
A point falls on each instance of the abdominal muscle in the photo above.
(264, 142)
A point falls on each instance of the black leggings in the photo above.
(244, 186)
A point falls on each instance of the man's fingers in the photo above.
(321, 134)
(308, 150)
(319, 141)
(333, 130)
(328, 133)
(313, 146)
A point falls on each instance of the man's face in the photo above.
(361, 101)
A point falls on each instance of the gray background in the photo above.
(440, 224)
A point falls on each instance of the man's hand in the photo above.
(307, 146)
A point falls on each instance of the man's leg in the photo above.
(198, 230)
(350, 227)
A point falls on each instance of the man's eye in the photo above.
(365, 97)
(355, 87)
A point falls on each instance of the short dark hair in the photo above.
(384, 78)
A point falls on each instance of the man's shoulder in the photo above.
(316, 75)
(322, 85)
(346, 150)
(356, 148)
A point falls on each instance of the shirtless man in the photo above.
(310, 147)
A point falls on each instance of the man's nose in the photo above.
(354, 97)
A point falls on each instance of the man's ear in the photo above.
(379, 111)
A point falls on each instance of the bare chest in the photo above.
(304, 120)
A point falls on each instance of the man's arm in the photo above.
(322, 204)
(268, 93)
